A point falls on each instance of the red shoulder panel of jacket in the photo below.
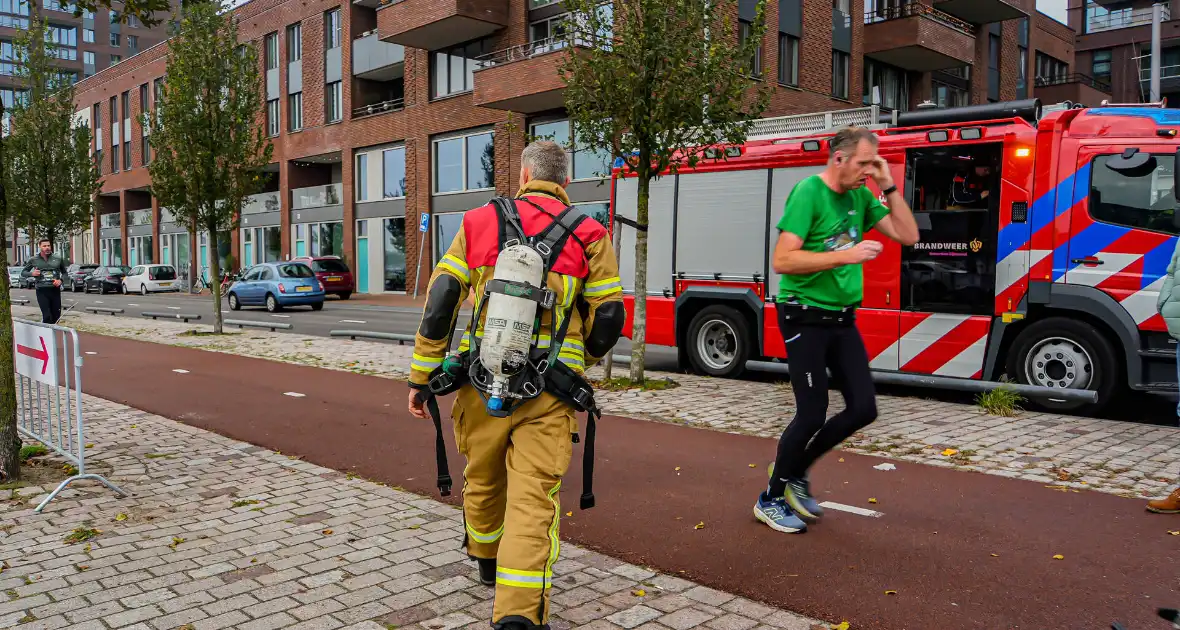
(481, 227)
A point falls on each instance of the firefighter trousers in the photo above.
(511, 507)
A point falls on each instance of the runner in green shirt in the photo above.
(820, 250)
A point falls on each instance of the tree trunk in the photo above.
(215, 279)
(9, 437)
(639, 321)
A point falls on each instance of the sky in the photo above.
(1054, 9)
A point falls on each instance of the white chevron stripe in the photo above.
(1093, 276)
(1141, 304)
(966, 363)
(1016, 266)
(887, 360)
(925, 334)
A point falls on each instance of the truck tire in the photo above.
(1069, 353)
(718, 342)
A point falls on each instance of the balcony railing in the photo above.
(1076, 77)
(874, 15)
(1166, 72)
(529, 50)
(317, 196)
(262, 202)
(111, 220)
(139, 217)
(379, 108)
(1123, 18)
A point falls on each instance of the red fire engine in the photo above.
(1045, 236)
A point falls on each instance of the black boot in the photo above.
(517, 623)
(487, 571)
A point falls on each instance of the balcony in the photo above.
(316, 196)
(1076, 88)
(498, 83)
(393, 105)
(139, 217)
(984, 11)
(1122, 18)
(262, 202)
(916, 37)
(375, 60)
(438, 24)
(111, 220)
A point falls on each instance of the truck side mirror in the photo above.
(1132, 163)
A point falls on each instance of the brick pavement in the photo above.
(221, 534)
(1124, 458)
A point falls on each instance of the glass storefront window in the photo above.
(395, 254)
(447, 227)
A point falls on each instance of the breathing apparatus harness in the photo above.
(542, 371)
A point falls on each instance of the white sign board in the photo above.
(35, 351)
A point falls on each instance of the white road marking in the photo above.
(129, 304)
(283, 316)
(98, 302)
(294, 394)
(91, 353)
(851, 508)
(175, 308)
(353, 321)
(181, 371)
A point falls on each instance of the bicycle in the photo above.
(1168, 614)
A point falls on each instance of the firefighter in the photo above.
(514, 414)
(820, 250)
(971, 189)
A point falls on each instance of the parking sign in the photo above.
(425, 222)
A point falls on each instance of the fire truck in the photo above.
(1045, 275)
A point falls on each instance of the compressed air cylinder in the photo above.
(508, 327)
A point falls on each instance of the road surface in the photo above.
(940, 549)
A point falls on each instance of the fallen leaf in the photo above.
(414, 526)
(1059, 557)
(841, 460)
(569, 513)
(253, 560)
(995, 555)
(120, 517)
(700, 525)
(639, 593)
(891, 592)
(327, 532)
(1174, 533)
(89, 446)
(843, 625)
(677, 468)
(872, 500)
(83, 567)
(753, 465)
(86, 549)
(133, 426)
(948, 452)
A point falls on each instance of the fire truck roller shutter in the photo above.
(718, 329)
(660, 235)
(1089, 327)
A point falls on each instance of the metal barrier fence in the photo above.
(49, 395)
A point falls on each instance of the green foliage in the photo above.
(656, 82)
(53, 180)
(31, 451)
(210, 147)
(149, 12)
(1000, 401)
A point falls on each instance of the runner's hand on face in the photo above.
(417, 408)
(881, 174)
(864, 252)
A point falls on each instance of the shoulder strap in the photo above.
(511, 231)
(551, 241)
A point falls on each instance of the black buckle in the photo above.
(548, 299)
(543, 248)
(443, 380)
(582, 395)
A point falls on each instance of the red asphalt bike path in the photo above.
(933, 545)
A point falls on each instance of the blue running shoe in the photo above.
(778, 515)
(798, 496)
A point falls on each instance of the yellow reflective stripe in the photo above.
(573, 362)
(456, 265)
(601, 283)
(425, 364)
(518, 583)
(573, 343)
(604, 287)
(554, 539)
(482, 537)
(522, 573)
(523, 579)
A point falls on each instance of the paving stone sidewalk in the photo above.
(223, 534)
(1067, 452)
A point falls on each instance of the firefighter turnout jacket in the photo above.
(515, 464)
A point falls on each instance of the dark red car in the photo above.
(332, 273)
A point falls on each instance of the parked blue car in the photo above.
(277, 286)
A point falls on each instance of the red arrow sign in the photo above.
(41, 355)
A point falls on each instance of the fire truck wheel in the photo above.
(718, 342)
(1065, 353)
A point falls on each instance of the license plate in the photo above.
(303, 289)
(333, 278)
(165, 284)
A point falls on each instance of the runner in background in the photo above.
(819, 254)
(48, 268)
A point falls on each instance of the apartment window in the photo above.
(945, 95)
(333, 99)
(97, 115)
(143, 127)
(271, 53)
(126, 131)
(272, 117)
(133, 43)
(1050, 70)
(116, 40)
(115, 137)
(134, 22)
(116, 59)
(585, 163)
(14, 7)
(840, 74)
(464, 163)
(755, 63)
(88, 35)
(844, 6)
(333, 30)
(788, 59)
(157, 91)
(393, 173)
(294, 42)
(362, 177)
(114, 17)
(887, 83)
(1022, 74)
(1100, 66)
(56, 5)
(453, 69)
(549, 29)
(295, 111)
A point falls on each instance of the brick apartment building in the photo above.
(1114, 45)
(85, 45)
(381, 111)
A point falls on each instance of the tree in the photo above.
(210, 147)
(53, 178)
(655, 83)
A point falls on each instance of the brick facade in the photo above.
(423, 119)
